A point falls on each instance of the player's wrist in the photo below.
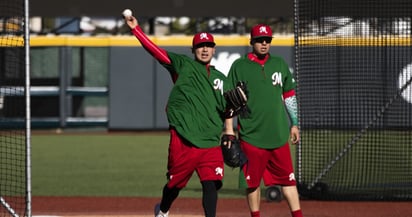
(229, 132)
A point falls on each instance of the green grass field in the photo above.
(112, 164)
(134, 164)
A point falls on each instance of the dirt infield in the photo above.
(188, 207)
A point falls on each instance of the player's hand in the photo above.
(294, 135)
(229, 132)
(227, 139)
(131, 21)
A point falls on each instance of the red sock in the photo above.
(255, 214)
(297, 213)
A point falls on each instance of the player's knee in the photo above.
(211, 185)
(251, 190)
(290, 191)
(218, 185)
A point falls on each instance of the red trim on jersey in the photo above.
(254, 58)
(174, 77)
(288, 94)
(208, 70)
(158, 53)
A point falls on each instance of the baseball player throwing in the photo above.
(195, 111)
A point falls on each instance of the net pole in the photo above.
(296, 53)
(28, 111)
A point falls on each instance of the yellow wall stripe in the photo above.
(127, 41)
(11, 41)
(103, 41)
(355, 41)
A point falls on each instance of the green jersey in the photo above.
(268, 123)
(196, 101)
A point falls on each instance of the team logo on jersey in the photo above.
(277, 79)
(219, 171)
(218, 85)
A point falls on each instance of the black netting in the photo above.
(354, 68)
(13, 188)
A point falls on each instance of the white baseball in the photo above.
(127, 13)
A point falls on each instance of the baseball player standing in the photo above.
(194, 112)
(264, 134)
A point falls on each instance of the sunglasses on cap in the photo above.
(262, 39)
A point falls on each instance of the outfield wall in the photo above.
(71, 74)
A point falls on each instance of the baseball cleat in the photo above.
(159, 213)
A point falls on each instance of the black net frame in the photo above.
(13, 128)
(353, 67)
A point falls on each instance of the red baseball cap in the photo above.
(261, 30)
(203, 37)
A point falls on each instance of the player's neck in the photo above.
(260, 56)
(261, 59)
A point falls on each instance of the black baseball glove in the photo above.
(233, 155)
(236, 100)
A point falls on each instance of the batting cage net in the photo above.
(354, 68)
(13, 109)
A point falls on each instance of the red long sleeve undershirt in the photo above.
(158, 53)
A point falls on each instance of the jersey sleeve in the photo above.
(289, 81)
(177, 61)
